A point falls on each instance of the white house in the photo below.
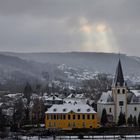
(119, 99)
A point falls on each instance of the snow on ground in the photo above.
(115, 137)
(36, 138)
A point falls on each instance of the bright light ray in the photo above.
(98, 37)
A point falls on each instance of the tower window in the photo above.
(120, 103)
(135, 109)
(123, 91)
(110, 110)
(118, 91)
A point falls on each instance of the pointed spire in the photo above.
(119, 79)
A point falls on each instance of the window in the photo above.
(73, 117)
(49, 117)
(68, 124)
(54, 124)
(54, 117)
(64, 110)
(120, 103)
(88, 110)
(78, 110)
(110, 110)
(49, 124)
(83, 117)
(59, 116)
(73, 124)
(64, 117)
(69, 117)
(118, 91)
(123, 91)
(54, 110)
(88, 116)
(135, 109)
(83, 124)
(93, 116)
(78, 116)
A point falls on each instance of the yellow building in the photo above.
(68, 116)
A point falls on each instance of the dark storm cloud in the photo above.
(54, 25)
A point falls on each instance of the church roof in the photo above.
(135, 98)
(106, 97)
(119, 79)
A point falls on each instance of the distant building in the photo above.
(49, 101)
(119, 99)
(79, 98)
(68, 116)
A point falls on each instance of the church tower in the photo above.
(119, 91)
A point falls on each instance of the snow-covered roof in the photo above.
(66, 108)
(1, 104)
(106, 97)
(53, 98)
(71, 96)
(135, 96)
(80, 96)
(73, 100)
(14, 95)
(136, 92)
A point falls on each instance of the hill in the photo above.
(101, 62)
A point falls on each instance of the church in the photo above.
(119, 99)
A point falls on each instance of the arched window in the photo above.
(118, 91)
(123, 91)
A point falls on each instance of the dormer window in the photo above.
(78, 110)
(88, 110)
(54, 110)
(64, 110)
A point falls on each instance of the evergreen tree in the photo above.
(18, 115)
(130, 120)
(135, 121)
(2, 121)
(104, 117)
(38, 111)
(27, 94)
(121, 119)
(139, 120)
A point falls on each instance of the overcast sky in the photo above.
(70, 25)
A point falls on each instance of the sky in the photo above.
(70, 25)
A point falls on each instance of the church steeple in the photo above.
(119, 79)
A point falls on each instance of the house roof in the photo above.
(71, 96)
(66, 108)
(53, 98)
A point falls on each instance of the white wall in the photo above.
(101, 106)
